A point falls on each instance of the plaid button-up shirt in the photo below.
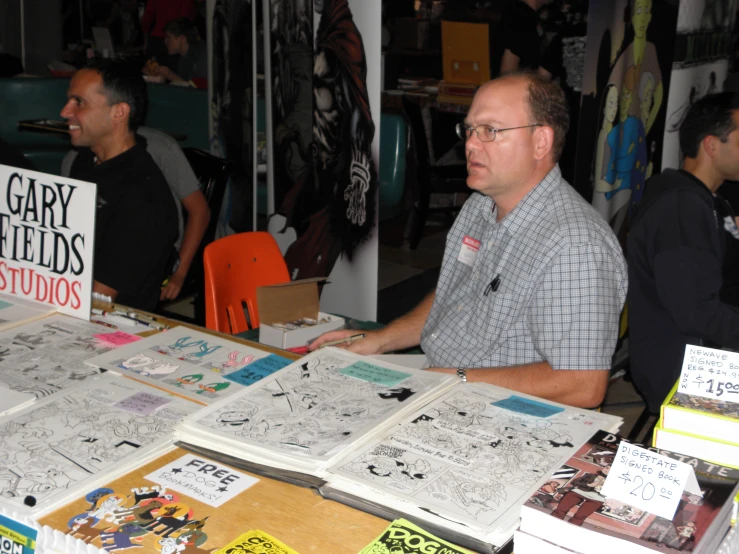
(547, 284)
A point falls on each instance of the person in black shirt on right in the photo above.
(677, 248)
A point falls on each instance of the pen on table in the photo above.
(134, 319)
(106, 324)
(348, 340)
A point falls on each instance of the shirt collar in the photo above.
(528, 209)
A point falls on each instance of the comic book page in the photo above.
(472, 456)
(80, 435)
(184, 361)
(312, 409)
(48, 355)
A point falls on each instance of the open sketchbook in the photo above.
(64, 445)
(465, 463)
(48, 355)
(15, 310)
(304, 416)
(187, 362)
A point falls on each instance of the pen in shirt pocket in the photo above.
(493, 286)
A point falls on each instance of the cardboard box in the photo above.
(292, 301)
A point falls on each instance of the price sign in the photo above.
(710, 373)
(648, 480)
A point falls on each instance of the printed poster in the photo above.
(703, 46)
(47, 237)
(622, 115)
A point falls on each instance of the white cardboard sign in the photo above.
(47, 237)
(202, 479)
(648, 480)
(710, 373)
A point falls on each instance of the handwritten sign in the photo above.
(648, 480)
(375, 374)
(142, 403)
(527, 406)
(710, 373)
(258, 369)
(202, 479)
(118, 338)
(47, 237)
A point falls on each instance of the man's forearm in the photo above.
(583, 388)
(405, 331)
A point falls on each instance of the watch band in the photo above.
(462, 373)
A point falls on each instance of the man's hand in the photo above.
(174, 286)
(372, 343)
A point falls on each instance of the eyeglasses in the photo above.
(485, 133)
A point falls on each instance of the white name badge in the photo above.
(648, 480)
(710, 373)
(468, 251)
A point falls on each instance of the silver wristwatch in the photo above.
(462, 373)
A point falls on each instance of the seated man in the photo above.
(181, 37)
(533, 279)
(183, 184)
(677, 247)
(136, 219)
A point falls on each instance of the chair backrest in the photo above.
(234, 267)
(393, 148)
(212, 173)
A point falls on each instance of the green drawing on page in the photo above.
(375, 374)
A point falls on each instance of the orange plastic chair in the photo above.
(234, 267)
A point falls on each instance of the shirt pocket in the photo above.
(493, 315)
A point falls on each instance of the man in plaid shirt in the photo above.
(533, 280)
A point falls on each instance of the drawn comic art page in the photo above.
(75, 438)
(472, 456)
(302, 416)
(184, 361)
(15, 310)
(48, 355)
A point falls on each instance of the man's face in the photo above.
(87, 111)
(173, 43)
(641, 17)
(726, 160)
(500, 166)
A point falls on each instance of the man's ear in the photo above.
(709, 145)
(543, 141)
(121, 112)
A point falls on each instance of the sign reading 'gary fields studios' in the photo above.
(47, 236)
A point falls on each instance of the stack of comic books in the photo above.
(65, 444)
(303, 417)
(570, 514)
(462, 465)
(697, 426)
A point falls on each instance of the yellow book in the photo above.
(703, 417)
(712, 450)
(256, 542)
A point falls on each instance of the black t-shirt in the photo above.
(676, 252)
(135, 225)
(522, 34)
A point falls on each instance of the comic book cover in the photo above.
(571, 497)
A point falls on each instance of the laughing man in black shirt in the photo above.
(677, 248)
(136, 218)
